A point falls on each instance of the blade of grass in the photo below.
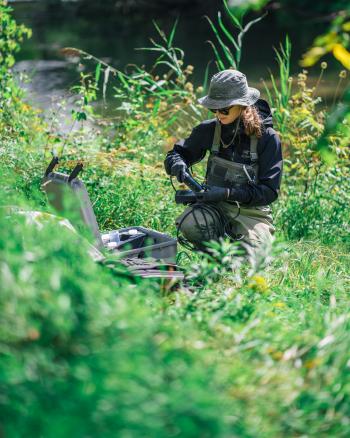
(206, 76)
(226, 32)
(234, 19)
(195, 110)
(97, 73)
(122, 79)
(219, 62)
(172, 33)
(151, 49)
(105, 82)
(171, 66)
(252, 22)
(160, 31)
(225, 49)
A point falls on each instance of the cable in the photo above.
(172, 184)
(217, 227)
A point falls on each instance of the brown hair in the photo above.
(252, 122)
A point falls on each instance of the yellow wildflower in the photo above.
(277, 355)
(279, 304)
(312, 363)
(26, 107)
(258, 284)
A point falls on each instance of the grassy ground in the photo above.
(242, 350)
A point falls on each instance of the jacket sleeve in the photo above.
(190, 150)
(269, 179)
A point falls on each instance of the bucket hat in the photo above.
(227, 88)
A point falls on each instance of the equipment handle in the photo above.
(192, 183)
(75, 172)
(51, 166)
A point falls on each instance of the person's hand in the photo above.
(214, 194)
(179, 169)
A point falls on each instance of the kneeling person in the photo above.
(244, 167)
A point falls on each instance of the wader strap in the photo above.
(217, 137)
(215, 146)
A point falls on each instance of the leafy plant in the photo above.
(334, 41)
(228, 53)
(11, 37)
(279, 96)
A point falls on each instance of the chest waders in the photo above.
(227, 173)
(202, 222)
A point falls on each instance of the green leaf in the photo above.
(160, 31)
(80, 115)
(225, 49)
(206, 76)
(219, 61)
(172, 33)
(226, 32)
(97, 72)
(234, 19)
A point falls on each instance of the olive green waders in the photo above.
(202, 222)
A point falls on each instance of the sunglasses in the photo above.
(224, 111)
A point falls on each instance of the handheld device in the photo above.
(188, 196)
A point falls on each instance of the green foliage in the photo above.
(316, 157)
(228, 54)
(279, 96)
(99, 355)
(12, 36)
(317, 191)
(82, 352)
(242, 6)
(335, 40)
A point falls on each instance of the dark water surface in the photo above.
(113, 34)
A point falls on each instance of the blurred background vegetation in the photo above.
(113, 29)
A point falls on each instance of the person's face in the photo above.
(229, 115)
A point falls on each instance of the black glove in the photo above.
(214, 194)
(179, 169)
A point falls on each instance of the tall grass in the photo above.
(228, 53)
(279, 96)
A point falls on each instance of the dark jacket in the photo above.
(194, 148)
